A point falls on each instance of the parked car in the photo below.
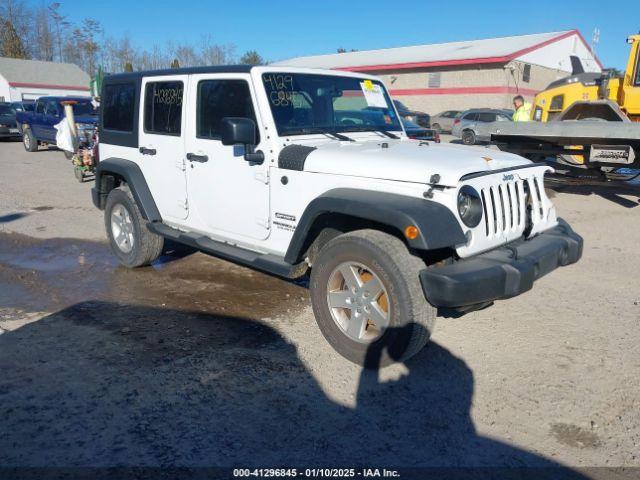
(38, 126)
(417, 132)
(474, 126)
(252, 164)
(8, 127)
(443, 122)
(23, 105)
(421, 118)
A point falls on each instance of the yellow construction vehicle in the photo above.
(591, 95)
(587, 128)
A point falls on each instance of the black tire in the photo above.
(437, 127)
(411, 317)
(29, 141)
(146, 245)
(468, 137)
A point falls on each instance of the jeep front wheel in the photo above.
(131, 241)
(367, 298)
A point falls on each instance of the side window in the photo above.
(218, 99)
(557, 102)
(51, 108)
(472, 117)
(118, 105)
(486, 117)
(40, 107)
(637, 81)
(163, 108)
(526, 73)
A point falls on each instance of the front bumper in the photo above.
(7, 133)
(504, 272)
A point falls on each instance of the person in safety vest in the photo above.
(522, 109)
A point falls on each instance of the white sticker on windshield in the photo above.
(373, 94)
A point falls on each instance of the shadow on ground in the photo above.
(105, 384)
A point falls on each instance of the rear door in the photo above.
(161, 138)
(483, 127)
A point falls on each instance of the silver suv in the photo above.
(475, 125)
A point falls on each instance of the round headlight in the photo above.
(469, 206)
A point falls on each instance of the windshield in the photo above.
(408, 124)
(310, 103)
(83, 108)
(7, 110)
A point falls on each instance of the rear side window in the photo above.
(163, 107)
(218, 99)
(486, 117)
(118, 105)
(472, 117)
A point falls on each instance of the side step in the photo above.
(260, 261)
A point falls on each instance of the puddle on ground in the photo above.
(48, 275)
(574, 436)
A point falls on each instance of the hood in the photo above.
(407, 160)
(8, 118)
(86, 119)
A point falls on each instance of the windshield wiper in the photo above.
(386, 133)
(339, 136)
(329, 133)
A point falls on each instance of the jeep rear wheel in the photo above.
(29, 141)
(367, 298)
(131, 241)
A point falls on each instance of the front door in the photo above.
(226, 193)
(161, 153)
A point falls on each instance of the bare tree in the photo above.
(42, 35)
(186, 55)
(212, 53)
(60, 24)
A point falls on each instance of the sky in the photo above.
(282, 29)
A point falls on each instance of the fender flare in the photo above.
(134, 177)
(437, 225)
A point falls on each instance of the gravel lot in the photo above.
(197, 362)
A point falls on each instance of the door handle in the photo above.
(147, 151)
(192, 157)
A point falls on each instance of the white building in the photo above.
(467, 74)
(30, 79)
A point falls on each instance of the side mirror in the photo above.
(242, 131)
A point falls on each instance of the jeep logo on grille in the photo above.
(506, 177)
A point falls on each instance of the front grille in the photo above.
(514, 204)
(504, 208)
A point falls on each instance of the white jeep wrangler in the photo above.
(309, 172)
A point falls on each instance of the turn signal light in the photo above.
(411, 232)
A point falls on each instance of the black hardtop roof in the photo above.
(119, 77)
